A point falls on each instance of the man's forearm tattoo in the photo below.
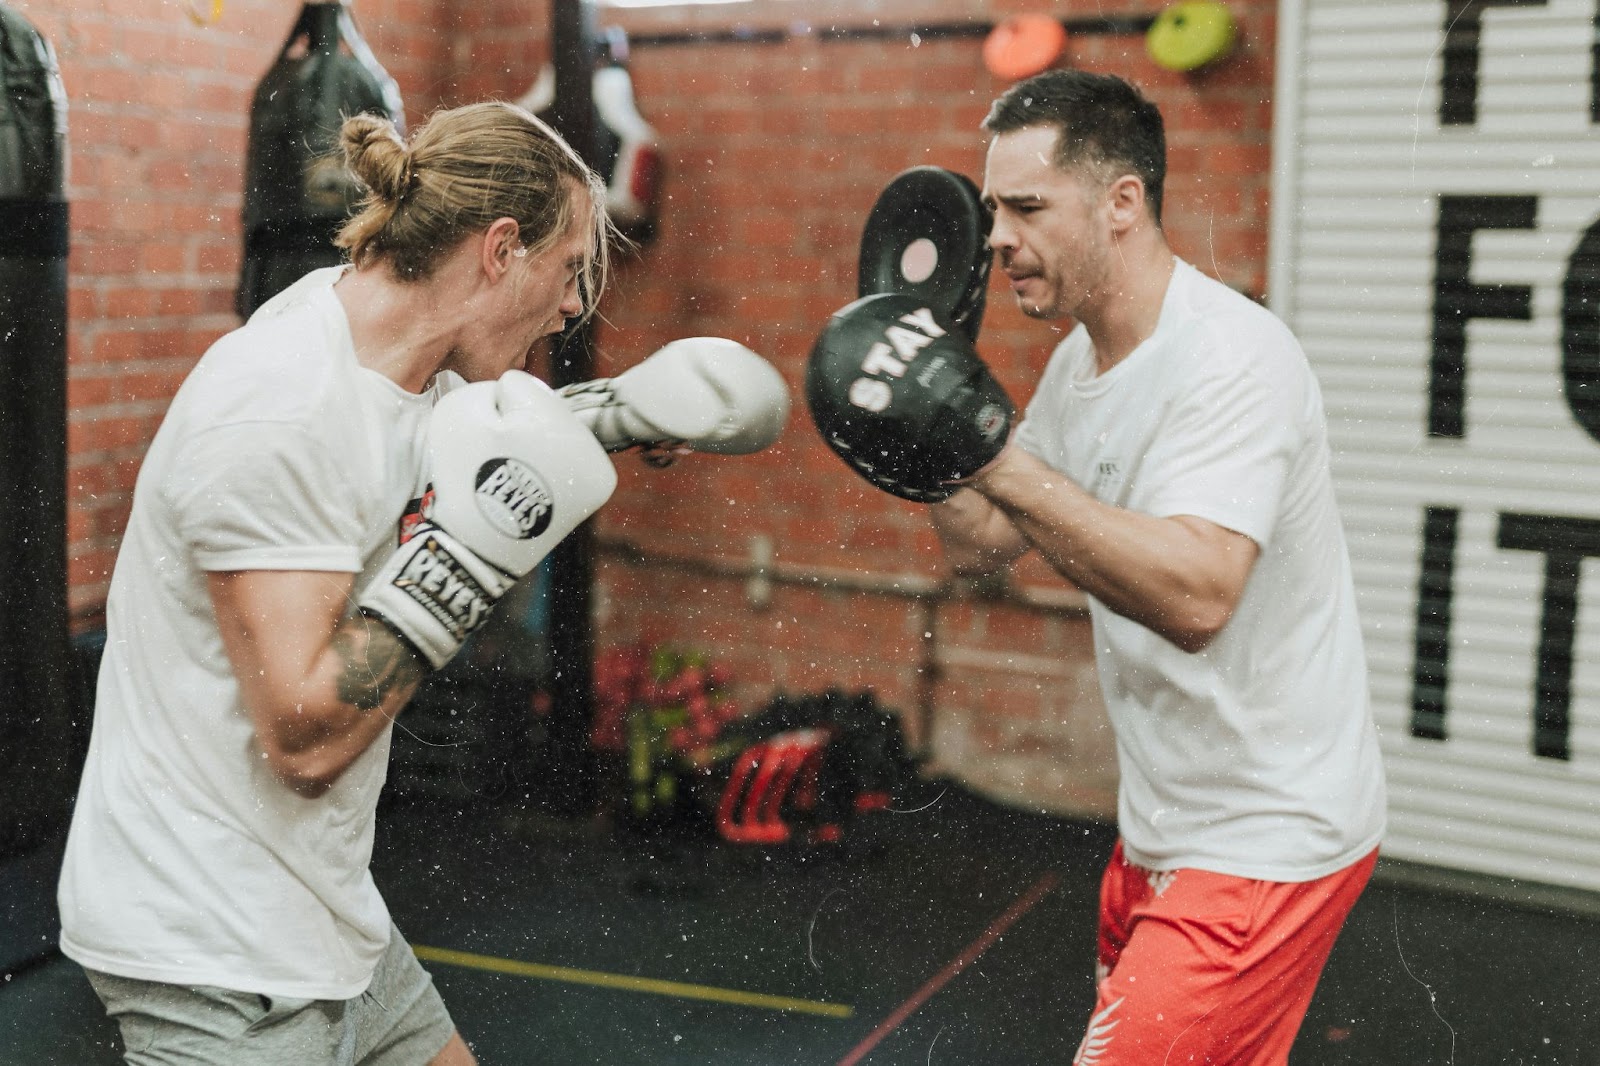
(373, 662)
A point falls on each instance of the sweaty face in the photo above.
(1051, 235)
(550, 283)
(533, 300)
(546, 292)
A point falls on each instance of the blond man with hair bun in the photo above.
(307, 541)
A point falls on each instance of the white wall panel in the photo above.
(1362, 161)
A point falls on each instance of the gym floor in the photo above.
(960, 933)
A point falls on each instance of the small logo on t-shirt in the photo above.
(1107, 480)
(415, 514)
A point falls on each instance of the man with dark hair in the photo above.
(1173, 464)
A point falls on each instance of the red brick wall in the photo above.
(158, 112)
(775, 152)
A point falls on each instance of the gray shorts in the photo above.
(398, 1021)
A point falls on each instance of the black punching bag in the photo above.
(297, 192)
(36, 736)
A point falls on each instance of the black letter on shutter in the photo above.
(1456, 299)
(1565, 543)
(1463, 26)
(1580, 332)
(1594, 72)
(1430, 671)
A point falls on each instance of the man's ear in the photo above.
(501, 246)
(1125, 195)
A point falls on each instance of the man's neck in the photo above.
(394, 327)
(1131, 308)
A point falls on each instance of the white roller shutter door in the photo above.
(1432, 248)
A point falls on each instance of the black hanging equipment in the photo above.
(627, 150)
(35, 712)
(627, 146)
(297, 191)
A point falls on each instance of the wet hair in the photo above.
(1106, 127)
(464, 168)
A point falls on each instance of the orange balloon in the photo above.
(1021, 46)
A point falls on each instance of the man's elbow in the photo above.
(976, 559)
(1192, 641)
(307, 772)
(1199, 628)
(977, 566)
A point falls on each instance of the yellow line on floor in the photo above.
(629, 984)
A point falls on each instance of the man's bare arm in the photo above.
(319, 684)
(1180, 576)
(977, 536)
(374, 663)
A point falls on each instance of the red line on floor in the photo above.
(1025, 903)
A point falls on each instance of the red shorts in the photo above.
(1199, 967)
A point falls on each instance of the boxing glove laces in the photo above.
(707, 394)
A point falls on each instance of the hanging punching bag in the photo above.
(630, 155)
(35, 715)
(627, 149)
(297, 192)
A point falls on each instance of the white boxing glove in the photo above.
(707, 393)
(513, 473)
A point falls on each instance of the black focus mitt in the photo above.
(927, 236)
(897, 391)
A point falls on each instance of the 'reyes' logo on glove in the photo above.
(513, 498)
(438, 582)
(901, 343)
(901, 396)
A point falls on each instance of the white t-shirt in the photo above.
(1256, 757)
(188, 861)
